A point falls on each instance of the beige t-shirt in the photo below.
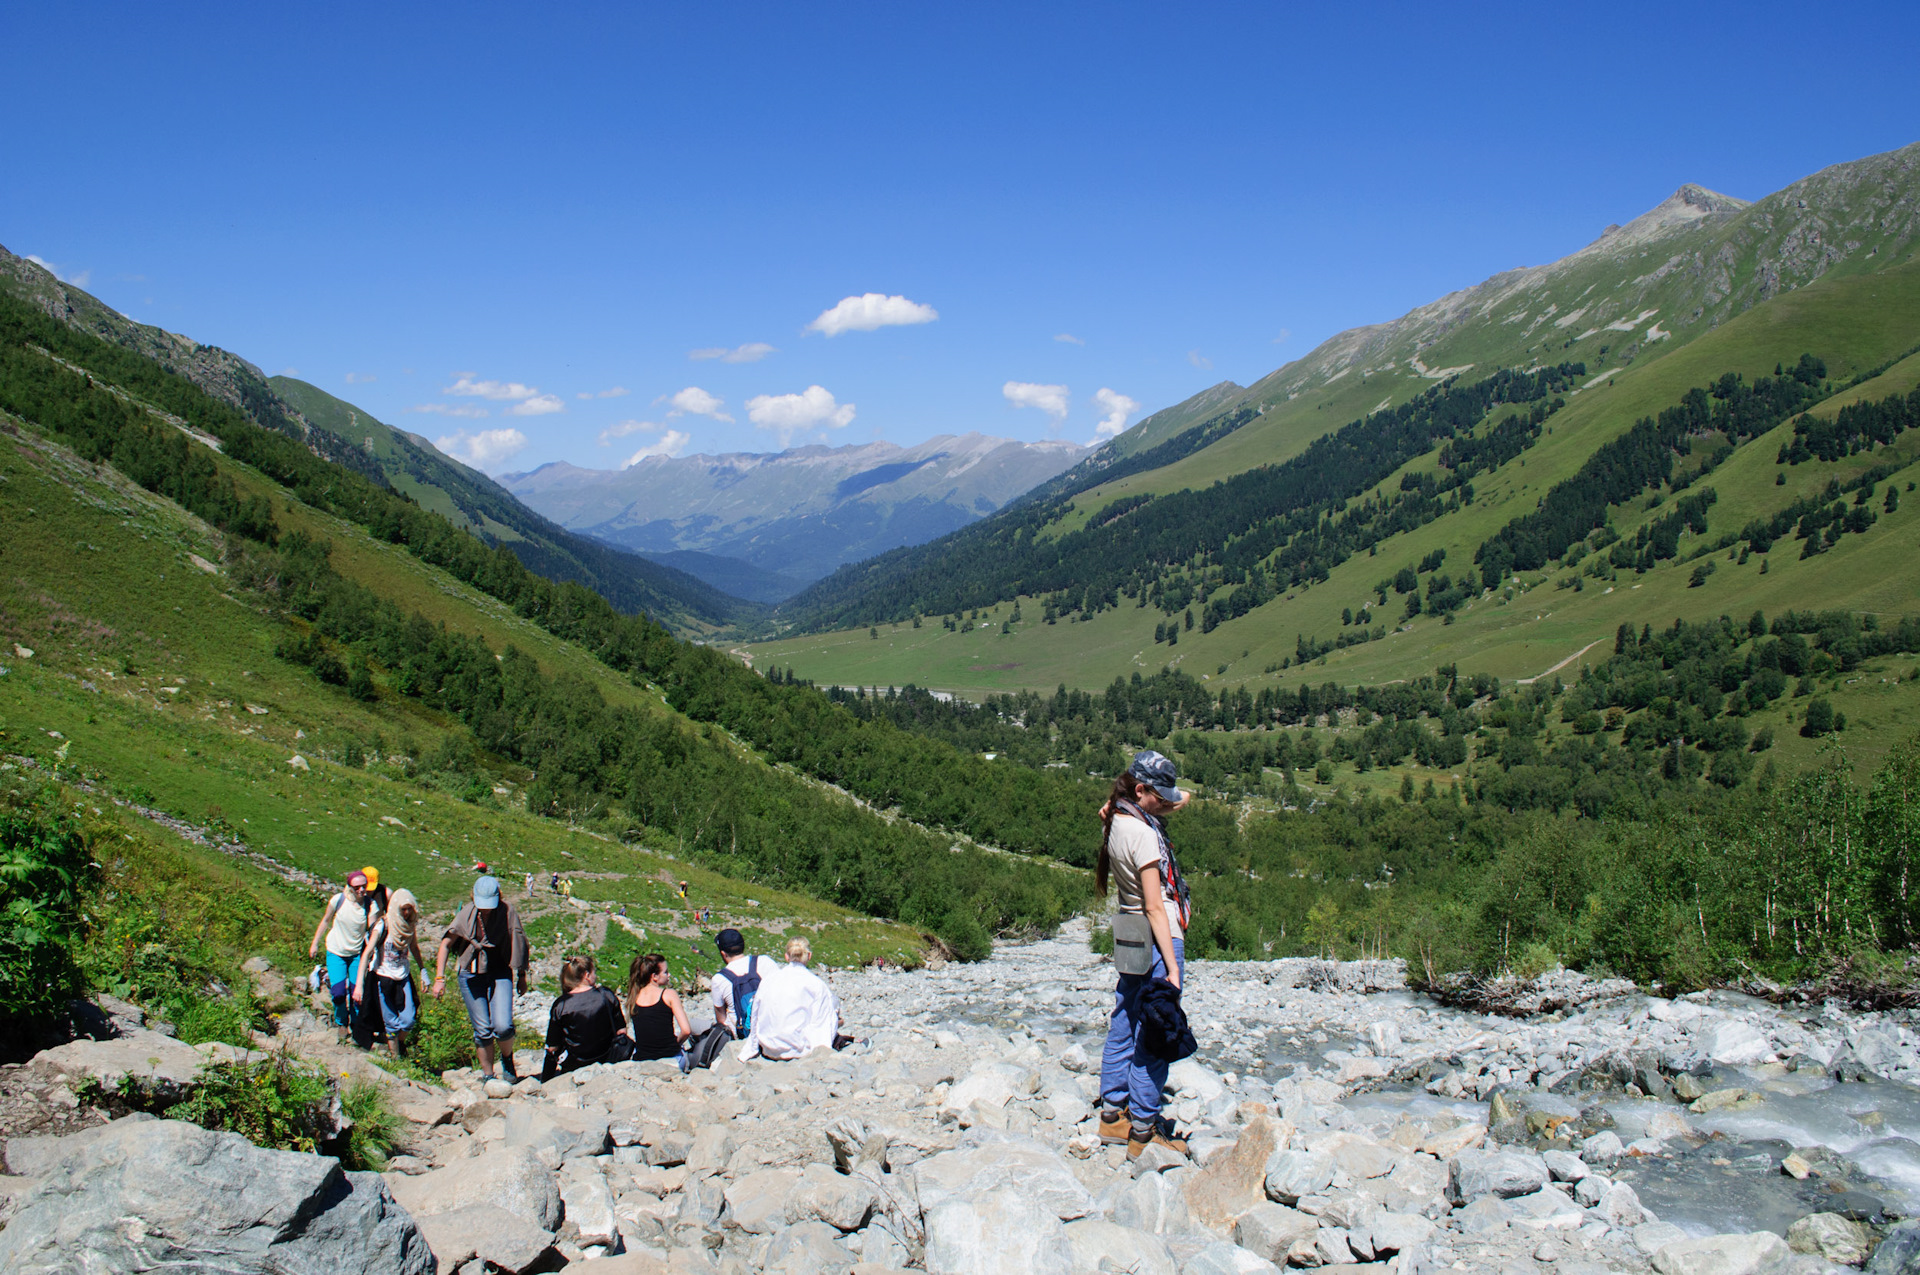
(1134, 846)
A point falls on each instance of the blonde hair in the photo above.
(575, 972)
(799, 951)
(399, 928)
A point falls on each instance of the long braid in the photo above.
(1123, 790)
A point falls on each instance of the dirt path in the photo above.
(1529, 681)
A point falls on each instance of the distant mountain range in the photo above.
(763, 525)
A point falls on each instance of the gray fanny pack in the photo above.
(1132, 943)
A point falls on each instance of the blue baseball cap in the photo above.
(486, 892)
(1156, 770)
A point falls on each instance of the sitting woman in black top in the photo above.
(660, 1026)
(584, 1026)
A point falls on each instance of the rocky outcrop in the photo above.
(141, 1194)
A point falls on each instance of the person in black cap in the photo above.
(735, 983)
(1134, 851)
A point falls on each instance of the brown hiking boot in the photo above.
(1114, 1129)
(1162, 1135)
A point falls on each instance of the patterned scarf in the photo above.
(1172, 884)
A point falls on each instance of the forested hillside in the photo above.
(1620, 309)
(343, 434)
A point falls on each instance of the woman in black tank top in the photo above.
(659, 1020)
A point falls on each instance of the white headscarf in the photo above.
(399, 928)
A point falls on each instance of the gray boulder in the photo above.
(808, 1248)
(1222, 1258)
(1830, 1236)
(1270, 1230)
(1026, 1167)
(1121, 1248)
(757, 1203)
(568, 1133)
(1760, 1253)
(1899, 1251)
(997, 1232)
(1292, 1174)
(511, 1178)
(486, 1232)
(1472, 1174)
(841, 1200)
(139, 1195)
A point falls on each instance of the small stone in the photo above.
(1153, 1158)
(1602, 1148)
(1564, 1166)
(1547, 1252)
(1717, 1100)
(1758, 1253)
(1831, 1236)
(498, 1088)
(1687, 1089)
(1796, 1166)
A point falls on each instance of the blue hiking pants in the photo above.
(1129, 1076)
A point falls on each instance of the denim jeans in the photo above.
(397, 1008)
(489, 999)
(1129, 1077)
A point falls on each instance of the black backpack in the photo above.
(744, 987)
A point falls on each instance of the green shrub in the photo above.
(45, 867)
(375, 1131)
(277, 1102)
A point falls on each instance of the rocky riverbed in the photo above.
(1339, 1122)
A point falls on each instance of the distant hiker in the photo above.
(344, 925)
(584, 1026)
(493, 956)
(529, 885)
(1149, 948)
(554, 884)
(481, 867)
(392, 953)
(660, 1026)
(735, 985)
(795, 1012)
(683, 891)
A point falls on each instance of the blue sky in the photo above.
(518, 211)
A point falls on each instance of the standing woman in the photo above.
(660, 1026)
(344, 924)
(492, 961)
(1134, 851)
(392, 953)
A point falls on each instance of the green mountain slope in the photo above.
(341, 433)
(412, 465)
(1856, 321)
(247, 602)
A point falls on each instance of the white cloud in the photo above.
(789, 414)
(498, 391)
(1068, 338)
(361, 378)
(488, 450)
(78, 279)
(1051, 399)
(538, 405)
(1117, 407)
(467, 411)
(287, 371)
(694, 401)
(752, 352)
(1285, 334)
(869, 311)
(621, 429)
(618, 391)
(1199, 360)
(671, 443)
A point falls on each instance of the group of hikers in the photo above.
(778, 1010)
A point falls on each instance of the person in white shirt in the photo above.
(795, 1011)
(736, 983)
